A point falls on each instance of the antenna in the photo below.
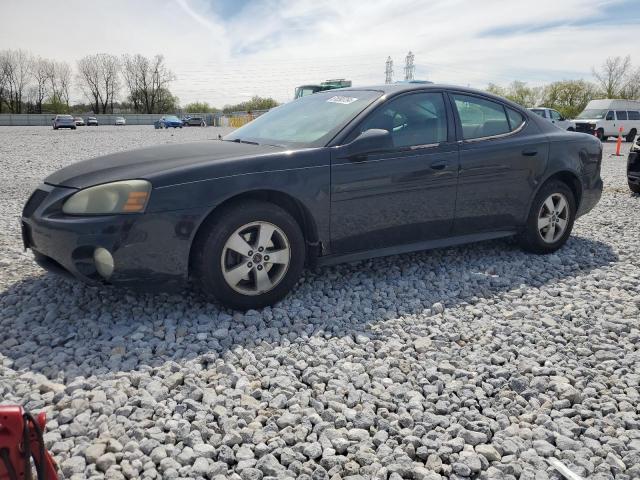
(409, 67)
(388, 71)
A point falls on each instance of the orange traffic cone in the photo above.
(619, 143)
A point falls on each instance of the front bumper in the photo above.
(150, 251)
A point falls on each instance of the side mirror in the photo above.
(372, 140)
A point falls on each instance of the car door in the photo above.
(502, 157)
(558, 120)
(621, 122)
(405, 194)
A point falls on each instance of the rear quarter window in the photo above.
(515, 119)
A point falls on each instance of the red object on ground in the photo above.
(619, 142)
(16, 451)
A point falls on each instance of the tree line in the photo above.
(30, 84)
(615, 78)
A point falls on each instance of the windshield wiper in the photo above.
(238, 140)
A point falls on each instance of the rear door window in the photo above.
(633, 115)
(480, 118)
(621, 115)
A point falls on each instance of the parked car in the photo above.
(633, 167)
(120, 121)
(604, 118)
(63, 121)
(92, 121)
(193, 122)
(79, 121)
(170, 121)
(555, 117)
(336, 176)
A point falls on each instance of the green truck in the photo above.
(304, 90)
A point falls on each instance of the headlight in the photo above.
(129, 196)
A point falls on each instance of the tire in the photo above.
(214, 260)
(571, 129)
(600, 134)
(631, 136)
(634, 187)
(539, 240)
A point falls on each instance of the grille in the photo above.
(584, 127)
(34, 202)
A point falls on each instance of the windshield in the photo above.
(310, 121)
(597, 114)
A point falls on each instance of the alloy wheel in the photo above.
(553, 217)
(255, 258)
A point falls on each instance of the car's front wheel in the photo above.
(250, 255)
(550, 219)
(634, 187)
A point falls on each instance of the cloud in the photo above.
(221, 50)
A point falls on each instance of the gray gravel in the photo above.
(472, 362)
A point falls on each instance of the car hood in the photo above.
(154, 163)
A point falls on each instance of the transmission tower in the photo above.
(409, 67)
(388, 71)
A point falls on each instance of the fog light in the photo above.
(104, 262)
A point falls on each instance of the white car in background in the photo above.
(120, 121)
(555, 117)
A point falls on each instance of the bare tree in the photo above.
(613, 76)
(59, 77)
(147, 81)
(17, 68)
(631, 89)
(98, 78)
(40, 73)
(3, 78)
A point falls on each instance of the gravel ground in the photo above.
(470, 362)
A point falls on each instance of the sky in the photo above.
(225, 51)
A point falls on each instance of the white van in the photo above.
(555, 117)
(606, 117)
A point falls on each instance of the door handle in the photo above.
(438, 165)
(529, 153)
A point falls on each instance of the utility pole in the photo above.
(409, 67)
(388, 71)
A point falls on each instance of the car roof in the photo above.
(398, 88)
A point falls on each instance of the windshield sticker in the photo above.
(342, 100)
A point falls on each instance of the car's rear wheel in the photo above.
(634, 187)
(631, 136)
(550, 220)
(250, 256)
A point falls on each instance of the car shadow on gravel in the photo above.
(65, 329)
